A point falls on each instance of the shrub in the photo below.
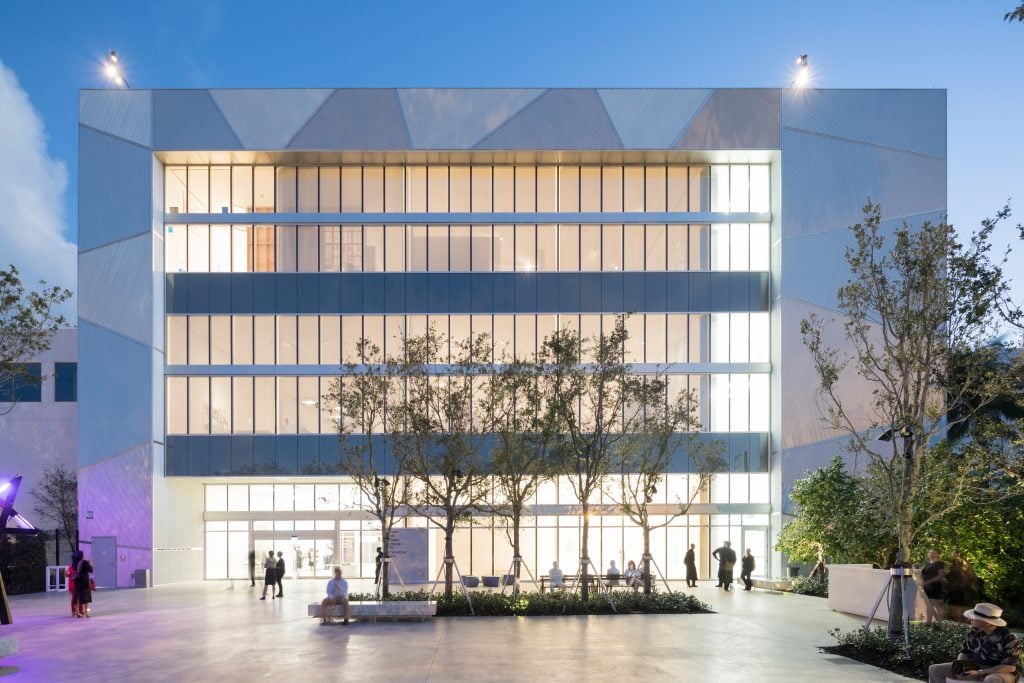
(493, 604)
(811, 585)
(928, 645)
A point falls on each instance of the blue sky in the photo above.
(49, 50)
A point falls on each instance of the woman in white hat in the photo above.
(991, 652)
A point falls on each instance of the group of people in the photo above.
(80, 584)
(726, 557)
(949, 585)
(273, 573)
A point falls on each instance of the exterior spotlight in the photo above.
(803, 73)
(112, 68)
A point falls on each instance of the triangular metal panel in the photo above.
(191, 120)
(115, 393)
(356, 119)
(913, 120)
(814, 265)
(652, 118)
(558, 119)
(800, 414)
(446, 118)
(736, 119)
(268, 119)
(115, 188)
(115, 287)
(826, 181)
(120, 494)
(128, 114)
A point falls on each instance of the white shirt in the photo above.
(337, 588)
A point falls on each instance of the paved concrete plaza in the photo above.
(208, 631)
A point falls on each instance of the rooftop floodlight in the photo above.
(112, 69)
(803, 73)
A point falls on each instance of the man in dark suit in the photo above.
(280, 573)
(252, 566)
(726, 557)
(747, 568)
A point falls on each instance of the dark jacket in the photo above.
(280, 568)
(748, 564)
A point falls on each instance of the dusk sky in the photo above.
(49, 50)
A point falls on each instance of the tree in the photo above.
(57, 500)
(440, 443)
(519, 456)
(837, 518)
(643, 457)
(591, 403)
(360, 399)
(918, 315)
(27, 325)
(1015, 15)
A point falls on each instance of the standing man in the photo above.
(726, 557)
(991, 652)
(746, 569)
(252, 566)
(337, 594)
(280, 573)
(380, 561)
(690, 560)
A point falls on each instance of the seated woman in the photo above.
(634, 577)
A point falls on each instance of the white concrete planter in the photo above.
(854, 588)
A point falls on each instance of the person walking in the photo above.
(252, 566)
(380, 561)
(69, 573)
(690, 560)
(746, 569)
(269, 574)
(83, 586)
(726, 557)
(337, 594)
(280, 570)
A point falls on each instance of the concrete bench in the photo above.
(8, 646)
(772, 584)
(389, 610)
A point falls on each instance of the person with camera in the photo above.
(990, 653)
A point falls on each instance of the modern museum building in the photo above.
(234, 245)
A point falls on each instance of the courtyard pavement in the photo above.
(216, 631)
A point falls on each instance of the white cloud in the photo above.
(32, 189)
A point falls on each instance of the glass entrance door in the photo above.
(756, 538)
(305, 556)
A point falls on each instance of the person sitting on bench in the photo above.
(556, 577)
(337, 594)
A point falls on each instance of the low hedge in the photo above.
(816, 586)
(494, 604)
(929, 644)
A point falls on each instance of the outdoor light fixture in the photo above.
(112, 68)
(803, 73)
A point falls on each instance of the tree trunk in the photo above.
(516, 514)
(585, 555)
(647, 559)
(386, 565)
(449, 562)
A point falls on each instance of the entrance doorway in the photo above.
(756, 538)
(310, 555)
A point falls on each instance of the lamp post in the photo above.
(112, 69)
(802, 78)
